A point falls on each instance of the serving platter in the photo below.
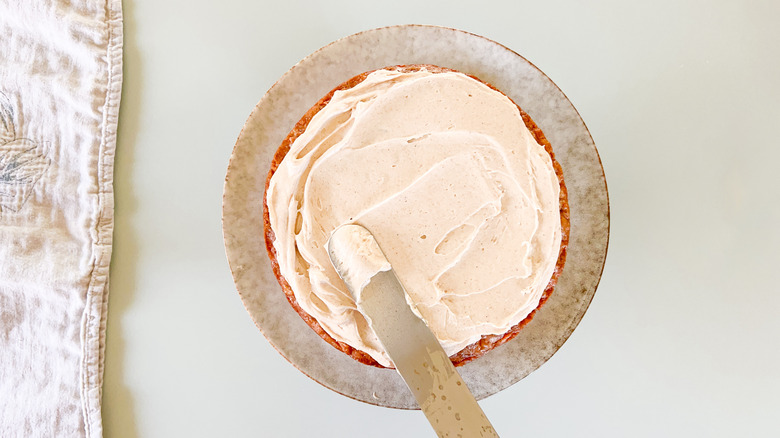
(313, 77)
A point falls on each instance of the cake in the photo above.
(460, 188)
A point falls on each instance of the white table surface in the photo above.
(683, 337)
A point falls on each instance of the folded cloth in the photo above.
(60, 85)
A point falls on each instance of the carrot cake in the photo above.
(460, 188)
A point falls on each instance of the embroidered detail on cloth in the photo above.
(22, 161)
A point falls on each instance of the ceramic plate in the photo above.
(313, 77)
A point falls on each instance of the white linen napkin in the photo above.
(60, 85)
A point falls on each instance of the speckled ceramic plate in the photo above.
(313, 77)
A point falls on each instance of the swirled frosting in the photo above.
(443, 171)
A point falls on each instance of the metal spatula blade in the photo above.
(418, 357)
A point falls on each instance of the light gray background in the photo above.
(683, 102)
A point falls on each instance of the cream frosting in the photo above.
(356, 256)
(443, 171)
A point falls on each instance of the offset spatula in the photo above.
(418, 357)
